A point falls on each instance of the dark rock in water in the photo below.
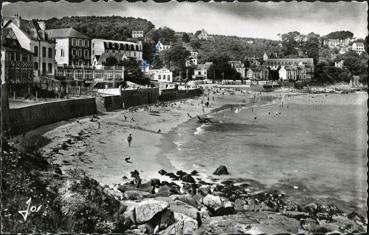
(188, 178)
(162, 172)
(194, 172)
(172, 176)
(58, 171)
(310, 208)
(221, 170)
(181, 173)
(355, 216)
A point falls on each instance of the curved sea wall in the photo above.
(33, 116)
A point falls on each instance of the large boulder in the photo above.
(186, 199)
(180, 207)
(221, 170)
(188, 178)
(190, 225)
(136, 195)
(218, 205)
(147, 209)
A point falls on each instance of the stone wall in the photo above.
(27, 118)
(174, 94)
(129, 98)
(33, 116)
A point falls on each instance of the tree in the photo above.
(340, 35)
(185, 38)
(132, 71)
(311, 46)
(291, 42)
(196, 44)
(175, 59)
(157, 63)
(221, 69)
(165, 35)
(148, 51)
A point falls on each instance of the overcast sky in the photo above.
(252, 19)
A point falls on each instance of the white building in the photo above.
(201, 71)
(339, 64)
(101, 46)
(161, 47)
(282, 73)
(203, 35)
(192, 59)
(161, 75)
(358, 47)
(33, 37)
(72, 47)
(137, 34)
(332, 43)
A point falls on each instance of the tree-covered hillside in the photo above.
(108, 27)
(235, 48)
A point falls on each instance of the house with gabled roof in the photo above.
(72, 47)
(33, 37)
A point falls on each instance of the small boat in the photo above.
(204, 120)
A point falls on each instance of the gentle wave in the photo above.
(200, 129)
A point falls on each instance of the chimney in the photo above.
(42, 25)
(16, 19)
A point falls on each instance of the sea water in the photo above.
(310, 145)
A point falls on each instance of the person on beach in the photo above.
(132, 119)
(129, 140)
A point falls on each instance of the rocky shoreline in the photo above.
(186, 204)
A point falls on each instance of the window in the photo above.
(49, 67)
(80, 52)
(35, 66)
(35, 51)
(86, 53)
(43, 68)
(74, 52)
(87, 43)
(159, 77)
(50, 52)
(81, 42)
(74, 42)
(12, 56)
(17, 56)
(24, 58)
(62, 52)
(43, 52)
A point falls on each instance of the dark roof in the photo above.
(65, 33)
(31, 29)
(19, 49)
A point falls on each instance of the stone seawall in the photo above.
(33, 116)
(28, 118)
(174, 94)
(129, 98)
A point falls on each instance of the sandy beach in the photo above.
(100, 147)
